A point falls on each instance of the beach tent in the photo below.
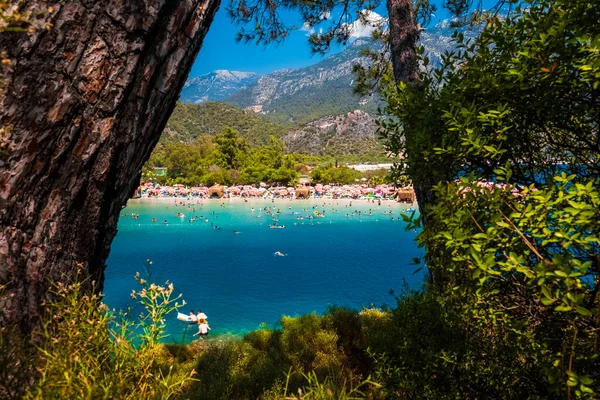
(216, 191)
(302, 192)
(407, 195)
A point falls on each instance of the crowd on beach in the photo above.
(274, 213)
(354, 192)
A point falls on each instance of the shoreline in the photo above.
(259, 200)
(247, 192)
(255, 199)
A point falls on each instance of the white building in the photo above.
(370, 167)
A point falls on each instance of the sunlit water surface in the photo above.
(237, 280)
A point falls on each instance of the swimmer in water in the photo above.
(279, 254)
(235, 232)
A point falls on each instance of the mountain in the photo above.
(319, 101)
(189, 121)
(299, 96)
(216, 86)
(350, 133)
(302, 95)
(438, 40)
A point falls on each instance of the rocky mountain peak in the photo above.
(354, 132)
(216, 85)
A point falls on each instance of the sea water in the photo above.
(343, 258)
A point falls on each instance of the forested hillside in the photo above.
(189, 121)
(349, 134)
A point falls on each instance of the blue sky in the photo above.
(220, 50)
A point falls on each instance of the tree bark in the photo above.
(87, 102)
(404, 35)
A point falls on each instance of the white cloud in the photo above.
(361, 28)
(310, 29)
(366, 24)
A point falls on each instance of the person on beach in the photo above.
(193, 319)
(201, 315)
(203, 328)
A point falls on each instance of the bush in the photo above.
(86, 351)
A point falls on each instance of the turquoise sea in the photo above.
(344, 258)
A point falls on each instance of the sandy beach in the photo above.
(248, 193)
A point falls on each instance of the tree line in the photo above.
(229, 159)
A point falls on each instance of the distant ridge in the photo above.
(216, 85)
(300, 96)
(189, 121)
(351, 133)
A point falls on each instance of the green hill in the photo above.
(189, 121)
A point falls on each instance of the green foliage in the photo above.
(342, 175)
(226, 158)
(383, 176)
(426, 347)
(231, 148)
(189, 121)
(516, 263)
(315, 355)
(88, 352)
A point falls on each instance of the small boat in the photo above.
(183, 317)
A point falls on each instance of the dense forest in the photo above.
(506, 132)
(228, 159)
(217, 143)
(189, 121)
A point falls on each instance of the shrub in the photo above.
(86, 351)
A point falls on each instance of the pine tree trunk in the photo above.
(404, 35)
(87, 102)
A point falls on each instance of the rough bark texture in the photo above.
(404, 35)
(87, 102)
